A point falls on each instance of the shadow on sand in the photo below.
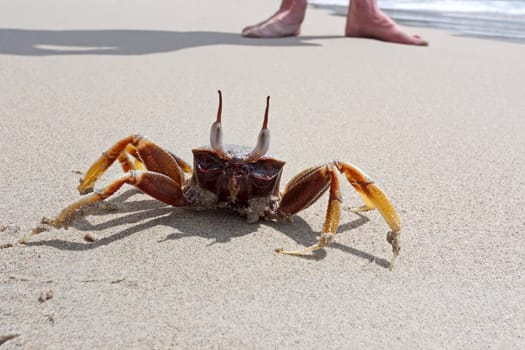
(27, 42)
(150, 213)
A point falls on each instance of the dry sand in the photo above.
(441, 130)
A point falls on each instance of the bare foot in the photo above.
(285, 22)
(366, 20)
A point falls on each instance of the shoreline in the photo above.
(493, 26)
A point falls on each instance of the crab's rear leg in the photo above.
(158, 186)
(302, 191)
(374, 198)
(148, 156)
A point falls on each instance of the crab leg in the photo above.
(130, 164)
(158, 186)
(147, 156)
(305, 188)
(374, 198)
(302, 191)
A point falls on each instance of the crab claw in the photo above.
(216, 130)
(263, 140)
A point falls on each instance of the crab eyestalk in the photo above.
(216, 130)
(263, 140)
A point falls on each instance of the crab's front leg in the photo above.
(374, 198)
(305, 188)
(147, 156)
(302, 191)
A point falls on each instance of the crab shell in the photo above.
(234, 179)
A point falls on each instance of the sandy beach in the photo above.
(440, 129)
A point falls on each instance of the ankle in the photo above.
(293, 5)
(294, 15)
(363, 6)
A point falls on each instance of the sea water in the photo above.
(502, 19)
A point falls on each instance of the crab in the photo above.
(238, 178)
